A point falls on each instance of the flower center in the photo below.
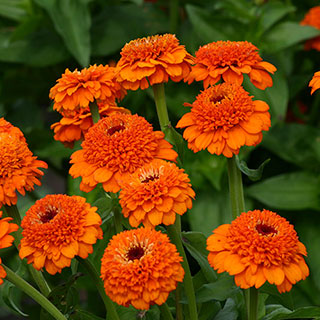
(115, 129)
(150, 178)
(48, 215)
(217, 99)
(266, 230)
(135, 253)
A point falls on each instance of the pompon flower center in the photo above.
(266, 230)
(49, 214)
(149, 47)
(135, 253)
(114, 129)
(150, 175)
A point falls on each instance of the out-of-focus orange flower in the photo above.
(256, 247)
(312, 18)
(140, 267)
(78, 89)
(315, 82)
(230, 60)
(19, 169)
(224, 118)
(114, 148)
(56, 229)
(73, 127)
(6, 239)
(155, 193)
(153, 60)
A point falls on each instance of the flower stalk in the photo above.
(33, 293)
(165, 312)
(89, 267)
(252, 303)
(161, 106)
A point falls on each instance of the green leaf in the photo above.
(196, 244)
(79, 314)
(72, 21)
(13, 9)
(175, 138)
(9, 297)
(290, 191)
(279, 312)
(229, 311)
(287, 34)
(252, 174)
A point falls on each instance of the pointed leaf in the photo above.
(252, 174)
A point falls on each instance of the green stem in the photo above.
(94, 109)
(175, 236)
(33, 293)
(160, 100)
(235, 188)
(179, 309)
(165, 312)
(13, 212)
(252, 303)
(174, 15)
(87, 264)
(116, 212)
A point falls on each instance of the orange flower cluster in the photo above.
(78, 89)
(140, 267)
(223, 118)
(6, 239)
(315, 82)
(155, 193)
(230, 60)
(56, 229)
(153, 60)
(19, 169)
(74, 127)
(312, 18)
(116, 147)
(256, 247)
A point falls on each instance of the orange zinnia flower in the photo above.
(140, 267)
(56, 229)
(312, 18)
(230, 60)
(155, 193)
(75, 125)
(115, 147)
(315, 82)
(223, 118)
(19, 168)
(78, 89)
(256, 247)
(6, 239)
(153, 60)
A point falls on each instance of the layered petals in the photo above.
(56, 229)
(116, 147)
(315, 82)
(256, 247)
(312, 18)
(140, 267)
(224, 118)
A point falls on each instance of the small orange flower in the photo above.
(75, 125)
(155, 193)
(56, 229)
(78, 89)
(256, 247)
(140, 267)
(6, 239)
(315, 82)
(312, 18)
(115, 147)
(18, 167)
(153, 60)
(230, 60)
(224, 118)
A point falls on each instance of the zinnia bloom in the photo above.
(6, 239)
(153, 60)
(115, 147)
(78, 89)
(230, 60)
(315, 82)
(56, 229)
(312, 18)
(256, 247)
(19, 169)
(224, 118)
(155, 193)
(140, 267)
(75, 125)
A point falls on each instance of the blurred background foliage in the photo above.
(39, 39)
